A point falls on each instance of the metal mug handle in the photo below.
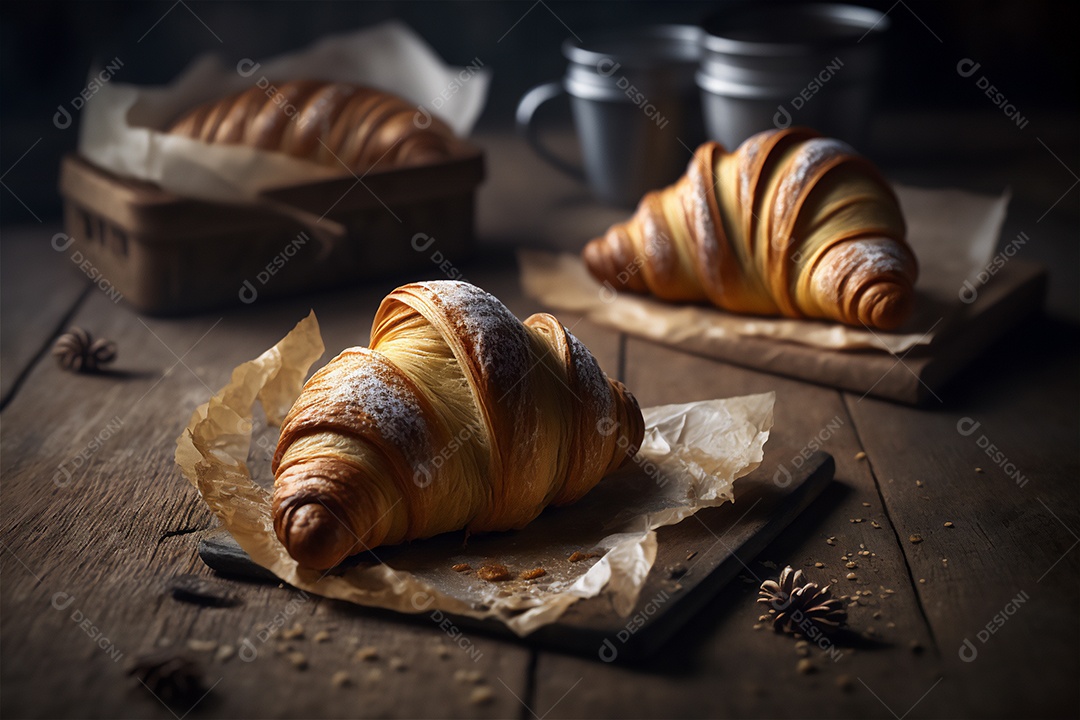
(526, 110)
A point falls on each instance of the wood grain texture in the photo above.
(1001, 576)
(96, 519)
(720, 665)
(39, 288)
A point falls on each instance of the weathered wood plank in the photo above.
(720, 665)
(998, 585)
(94, 509)
(38, 290)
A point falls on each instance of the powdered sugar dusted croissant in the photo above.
(458, 416)
(327, 123)
(790, 223)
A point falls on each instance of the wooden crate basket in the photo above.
(171, 255)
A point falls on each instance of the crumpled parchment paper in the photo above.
(691, 456)
(953, 233)
(121, 124)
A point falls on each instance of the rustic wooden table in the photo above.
(96, 520)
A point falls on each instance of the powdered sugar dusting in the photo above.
(496, 339)
(591, 378)
(810, 155)
(377, 394)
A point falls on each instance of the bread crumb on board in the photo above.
(461, 567)
(493, 572)
(481, 695)
(578, 556)
(533, 574)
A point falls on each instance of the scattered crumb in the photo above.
(442, 651)
(979, 470)
(819, 564)
(758, 626)
(864, 553)
(676, 571)
(763, 618)
(866, 504)
(202, 645)
(398, 665)
(806, 666)
(340, 679)
(493, 573)
(368, 653)
(949, 524)
(677, 587)
(890, 625)
(461, 567)
(468, 676)
(578, 556)
(830, 540)
(690, 555)
(802, 648)
(481, 695)
(845, 683)
(922, 581)
(282, 647)
(224, 653)
(875, 524)
(851, 565)
(298, 660)
(851, 576)
(877, 615)
(294, 633)
(321, 637)
(533, 574)
(860, 455)
(915, 538)
(918, 483)
(374, 675)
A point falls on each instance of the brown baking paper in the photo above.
(691, 456)
(952, 232)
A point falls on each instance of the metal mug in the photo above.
(636, 109)
(766, 66)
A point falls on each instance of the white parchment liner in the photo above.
(691, 456)
(952, 232)
(121, 129)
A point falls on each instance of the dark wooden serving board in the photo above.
(712, 547)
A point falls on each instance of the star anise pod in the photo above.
(77, 351)
(798, 602)
(173, 679)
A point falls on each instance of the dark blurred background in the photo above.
(934, 127)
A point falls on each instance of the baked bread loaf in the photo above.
(790, 224)
(459, 416)
(326, 123)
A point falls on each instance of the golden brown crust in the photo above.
(374, 452)
(328, 123)
(790, 223)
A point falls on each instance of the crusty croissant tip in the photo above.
(315, 537)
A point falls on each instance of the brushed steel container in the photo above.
(772, 66)
(636, 109)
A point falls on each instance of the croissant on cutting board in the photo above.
(790, 224)
(458, 416)
(327, 123)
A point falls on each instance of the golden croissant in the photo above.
(459, 416)
(790, 224)
(326, 123)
